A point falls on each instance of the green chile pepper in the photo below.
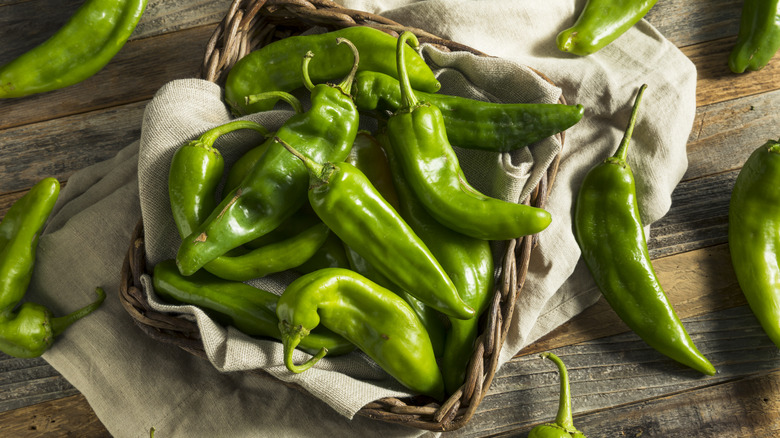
(470, 123)
(274, 66)
(754, 235)
(195, 171)
(563, 427)
(600, 23)
(759, 36)
(29, 329)
(609, 231)
(376, 320)
(347, 202)
(418, 134)
(468, 262)
(276, 186)
(249, 309)
(78, 50)
(369, 157)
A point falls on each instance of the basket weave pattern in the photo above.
(248, 25)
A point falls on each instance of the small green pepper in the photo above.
(276, 186)
(600, 23)
(249, 309)
(470, 123)
(346, 201)
(376, 320)
(29, 329)
(276, 67)
(564, 423)
(78, 50)
(754, 235)
(610, 234)
(759, 36)
(418, 134)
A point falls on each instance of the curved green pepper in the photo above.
(759, 36)
(249, 309)
(468, 262)
(609, 231)
(275, 66)
(754, 235)
(276, 186)
(347, 202)
(195, 172)
(418, 134)
(600, 23)
(378, 321)
(470, 123)
(78, 50)
(563, 427)
(29, 330)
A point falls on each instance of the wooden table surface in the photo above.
(621, 386)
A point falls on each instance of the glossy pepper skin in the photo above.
(274, 66)
(276, 186)
(470, 123)
(249, 309)
(369, 157)
(468, 262)
(195, 172)
(376, 320)
(754, 235)
(78, 50)
(759, 36)
(429, 163)
(610, 234)
(30, 329)
(600, 23)
(346, 201)
(563, 427)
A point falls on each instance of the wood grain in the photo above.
(67, 416)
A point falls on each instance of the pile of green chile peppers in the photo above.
(609, 231)
(276, 185)
(600, 23)
(418, 133)
(273, 67)
(376, 320)
(563, 427)
(29, 329)
(759, 36)
(78, 50)
(754, 235)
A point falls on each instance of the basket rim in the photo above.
(230, 39)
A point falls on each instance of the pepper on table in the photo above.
(759, 36)
(29, 329)
(610, 234)
(563, 427)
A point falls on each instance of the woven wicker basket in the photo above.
(250, 24)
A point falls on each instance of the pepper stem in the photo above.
(59, 324)
(408, 99)
(564, 417)
(305, 70)
(318, 173)
(291, 337)
(346, 84)
(283, 95)
(209, 137)
(622, 151)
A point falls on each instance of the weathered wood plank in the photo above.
(134, 75)
(724, 134)
(69, 144)
(620, 370)
(686, 23)
(68, 416)
(716, 83)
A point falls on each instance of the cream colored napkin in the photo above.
(134, 383)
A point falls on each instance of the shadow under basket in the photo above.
(249, 25)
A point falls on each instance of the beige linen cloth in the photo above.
(134, 383)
